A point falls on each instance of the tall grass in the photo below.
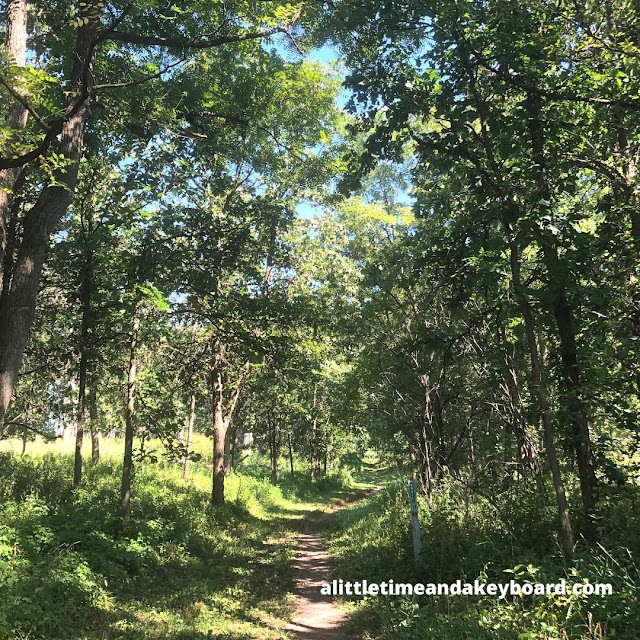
(70, 568)
(467, 537)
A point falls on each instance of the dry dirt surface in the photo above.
(316, 617)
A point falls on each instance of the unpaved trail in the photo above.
(317, 617)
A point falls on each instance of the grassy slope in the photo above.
(466, 538)
(70, 569)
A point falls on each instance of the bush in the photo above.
(492, 538)
(69, 567)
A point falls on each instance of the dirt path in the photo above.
(316, 617)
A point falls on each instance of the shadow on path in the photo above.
(317, 617)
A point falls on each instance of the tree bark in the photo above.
(315, 444)
(18, 301)
(233, 438)
(290, 455)
(527, 453)
(425, 454)
(127, 466)
(315, 457)
(82, 388)
(228, 448)
(563, 314)
(430, 436)
(222, 415)
(540, 394)
(632, 204)
(16, 48)
(219, 425)
(190, 422)
(273, 448)
(93, 416)
(85, 323)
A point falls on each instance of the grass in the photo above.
(69, 567)
(465, 537)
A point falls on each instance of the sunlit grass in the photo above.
(462, 538)
(109, 447)
(69, 567)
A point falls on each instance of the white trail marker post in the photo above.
(415, 521)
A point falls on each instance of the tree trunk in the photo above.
(472, 450)
(632, 204)
(425, 455)
(222, 416)
(527, 454)
(82, 387)
(233, 438)
(228, 444)
(273, 448)
(570, 369)
(18, 301)
(314, 445)
(509, 212)
(16, 50)
(143, 440)
(190, 421)
(315, 461)
(437, 427)
(291, 455)
(219, 437)
(93, 416)
(430, 437)
(85, 324)
(219, 425)
(127, 466)
(540, 395)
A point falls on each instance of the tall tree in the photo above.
(104, 37)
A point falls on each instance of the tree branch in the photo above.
(233, 400)
(183, 44)
(133, 83)
(25, 103)
(19, 161)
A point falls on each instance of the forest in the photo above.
(264, 262)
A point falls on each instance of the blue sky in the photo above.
(326, 55)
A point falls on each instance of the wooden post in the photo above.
(415, 522)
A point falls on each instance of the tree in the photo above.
(485, 109)
(105, 36)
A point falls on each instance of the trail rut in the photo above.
(317, 617)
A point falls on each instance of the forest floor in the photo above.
(251, 570)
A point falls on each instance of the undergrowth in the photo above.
(494, 539)
(70, 568)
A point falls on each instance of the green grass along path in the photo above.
(70, 570)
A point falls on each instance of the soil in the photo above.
(316, 616)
